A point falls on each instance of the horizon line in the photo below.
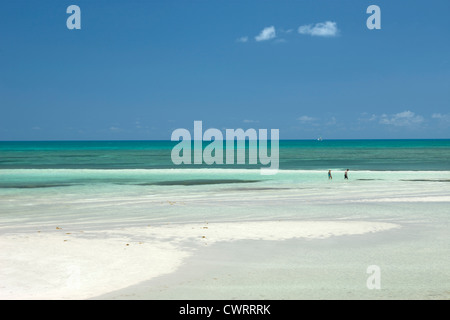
(165, 140)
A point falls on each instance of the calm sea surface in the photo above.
(385, 155)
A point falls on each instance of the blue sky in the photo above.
(140, 69)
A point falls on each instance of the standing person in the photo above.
(346, 174)
(330, 177)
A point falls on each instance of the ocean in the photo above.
(62, 164)
(102, 187)
(58, 170)
(379, 155)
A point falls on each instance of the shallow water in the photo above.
(102, 186)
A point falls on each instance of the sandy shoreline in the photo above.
(76, 264)
(301, 269)
(286, 239)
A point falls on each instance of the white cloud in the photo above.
(266, 34)
(402, 119)
(114, 129)
(366, 117)
(442, 118)
(305, 119)
(250, 121)
(437, 116)
(321, 29)
(242, 39)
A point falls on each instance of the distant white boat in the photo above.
(320, 139)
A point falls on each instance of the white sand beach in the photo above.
(270, 240)
(79, 265)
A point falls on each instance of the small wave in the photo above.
(35, 186)
(425, 180)
(257, 189)
(196, 182)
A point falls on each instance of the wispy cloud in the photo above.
(266, 34)
(242, 39)
(402, 119)
(444, 119)
(115, 129)
(286, 30)
(306, 119)
(321, 29)
(440, 116)
(250, 121)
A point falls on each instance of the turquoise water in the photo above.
(293, 154)
(109, 185)
(30, 165)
